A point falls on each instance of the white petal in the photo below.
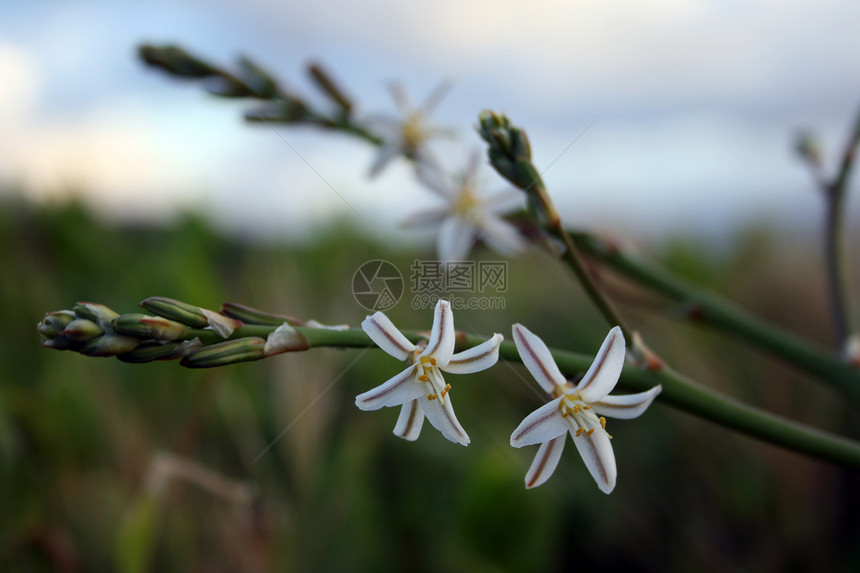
(385, 335)
(427, 217)
(537, 358)
(410, 421)
(477, 358)
(442, 336)
(596, 452)
(456, 236)
(431, 175)
(441, 415)
(545, 461)
(542, 425)
(223, 325)
(386, 153)
(433, 100)
(395, 391)
(603, 374)
(501, 235)
(627, 406)
(401, 100)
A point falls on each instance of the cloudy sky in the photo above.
(653, 115)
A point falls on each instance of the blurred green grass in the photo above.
(334, 490)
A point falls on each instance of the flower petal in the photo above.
(603, 374)
(396, 390)
(382, 331)
(537, 358)
(442, 336)
(627, 406)
(427, 217)
(440, 413)
(410, 421)
(501, 235)
(542, 425)
(456, 236)
(434, 98)
(435, 179)
(596, 452)
(477, 358)
(387, 152)
(545, 462)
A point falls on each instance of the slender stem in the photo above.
(603, 304)
(711, 309)
(836, 243)
(838, 278)
(678, 392)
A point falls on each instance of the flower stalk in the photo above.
(677, 391)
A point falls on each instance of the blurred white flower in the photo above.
(575, 410)
(468, 216)
(420, 390)
(408, 134)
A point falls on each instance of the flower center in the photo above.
(429, 374)
(577, 412)
(413, 132)
(465, 202)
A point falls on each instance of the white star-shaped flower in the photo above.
(576, 410)
(468, 216)
(408, 134)
(421, 390)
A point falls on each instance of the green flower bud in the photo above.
(54, 323)
(250, 315)
(223, 353)
(324, 82)
(98, 313)
(150, 351)
(143, 326)
(82, 330)
(110, 345)
(179, 311)
(257, 79)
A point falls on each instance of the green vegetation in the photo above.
(268, 466)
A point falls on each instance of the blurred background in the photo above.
(669, 124)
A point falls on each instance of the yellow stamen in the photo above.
(602, 422)
(589, 432)
(431, 396)
(576, 409)
(579, 432)
(586, 407)
(424, 378)
(446, 390)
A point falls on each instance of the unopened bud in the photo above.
(175, 60)
(179, 311)
(223, 353)
(324, 81)
(250, 315)
(110, 345)
(143, 326)
(150, 351)
(98, 313)
(82, 330)
(227, 86)
(53, 323)
(257, 79)
(807, 146)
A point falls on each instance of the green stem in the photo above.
(678, 392)
(706, 307)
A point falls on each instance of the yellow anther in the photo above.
(579, 432)
(602, 422)
(589, 432)
(424, 378)
(446, 390)
(586, 407)
(431, 396)
(565, 413)
(433, 361)
(576, 409)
